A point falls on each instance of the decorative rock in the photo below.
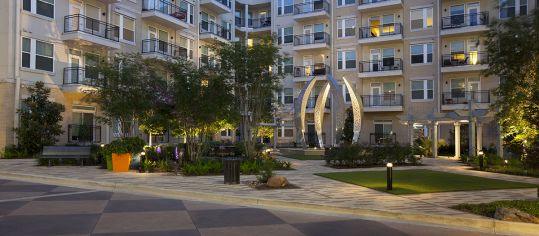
(512, 214)
(277, 181)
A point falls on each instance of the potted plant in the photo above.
(120, 152)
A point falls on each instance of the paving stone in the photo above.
(41, 224)
(145, 205)
(233, 217)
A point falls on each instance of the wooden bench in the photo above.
(66, 152)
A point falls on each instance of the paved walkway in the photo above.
(313, 189)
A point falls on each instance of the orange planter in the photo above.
(120, 162)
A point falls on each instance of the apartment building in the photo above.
(414, 64)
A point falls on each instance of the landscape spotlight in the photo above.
(389, 176)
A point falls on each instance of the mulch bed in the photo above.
(262, 186)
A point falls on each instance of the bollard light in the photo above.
(102, 145)
(481, 159)
(389, 176)
(142, 153)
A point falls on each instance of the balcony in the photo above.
(218, 6)
(257, 25)
(467, 61)
(459, 100)
(317, 9)
(156, 48)
(383, 102)
(318, 40)
(383, 138)
(166, 13)
(209, 62)
(464, 23)
(371, 5)
(79, 78)
(380, 68)
(211, 32)
(383, 33)
(305, 73)
(90, 32)
(83, 134)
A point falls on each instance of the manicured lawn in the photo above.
(488, 209)
(305, 157)
(422, 181)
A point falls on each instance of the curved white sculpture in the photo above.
(319, 113)
(301, 106)
(357, 110)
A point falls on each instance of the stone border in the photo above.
(477, 224)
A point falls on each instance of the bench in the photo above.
(66, 152)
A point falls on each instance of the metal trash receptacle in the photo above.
(231, 169)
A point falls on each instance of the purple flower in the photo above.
(176, 153)
(159, 150)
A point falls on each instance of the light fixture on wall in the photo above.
(398, 16)
(104, 13)
(399, 84)
(399, 50)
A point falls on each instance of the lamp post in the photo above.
(389, 176)
(142, 154)
(481, 158)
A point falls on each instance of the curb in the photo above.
(477, 224)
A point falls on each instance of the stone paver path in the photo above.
(313, 189)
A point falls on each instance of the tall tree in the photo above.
(247, 69)
(513, 54)
(348, 131)
(39, 120)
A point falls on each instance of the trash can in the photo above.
(231, 169)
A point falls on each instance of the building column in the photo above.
(435, 140)
(499, 143)
(457, 139)
(479, 145)
(411, 132)
(471, 139)
(246, 22)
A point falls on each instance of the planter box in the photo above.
(120, 162)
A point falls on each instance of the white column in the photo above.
(479, 134)
(435, 140)
(471, 138)
(246, 21)
(411, 132)
(499, 143)
(457, 139)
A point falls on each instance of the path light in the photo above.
(481, 159)
(102, 145)
(389, 176)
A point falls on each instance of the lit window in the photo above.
(421, 18)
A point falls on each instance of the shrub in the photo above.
(147, 165)
(131, 145)
(203, 167)
(266, 172)
(14, 152)
(423, 146)
(249, 167)
(360, 156)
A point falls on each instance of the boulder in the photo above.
(277, 181)
(512, 214)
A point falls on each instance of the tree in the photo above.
(202, 104)
(124, 90)
(39, 120)
(513, 54)
(348, 130)
(247, 69)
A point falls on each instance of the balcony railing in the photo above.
(81, 75)
(311, 103)
(465, 20)
(386, 64)
(209, 62)
(363, 2)
(312, 70)
(162, 47)
(254, 23)
(463, 97)
(83, 133)
(227, 3)
(215, 29)
(238, 21)
(81, 23)
(165, 7)
(464, 58)
(310, 7)
(380, 31)
(382, 138)
(383, 100)
(314, 38)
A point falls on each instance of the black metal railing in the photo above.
(310, 7)
(162, 47)
(253, 23)
(386, 64)
(464, 97)
(227, 3)
(314, 38)
(465, 20)
(382, 138)
(215, 29)
(238, 21)
(464, 58)
(311, 70)
(382, 100)
(380, 31)
(83, 133)
(88, 75)
(166, 7)
(209, 62)
(311, 102)
(81, 23)
(363, 2)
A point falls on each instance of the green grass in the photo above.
(304, 157)
(422, 181)
(488, 209)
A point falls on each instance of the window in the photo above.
(286, 35)
(285, 7)
(422, 89)
(189, 8)
(421, 53)
(285, 132)
(346, 60)
(346, 27)
(286, 66)
(288, 95)
(226, 133)
(40, 7)
(345, 2)
(421, 18)
(187, 44)
(127, 27)
(346, 94)
(37, 55)
(383, 127)
(511, 8)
